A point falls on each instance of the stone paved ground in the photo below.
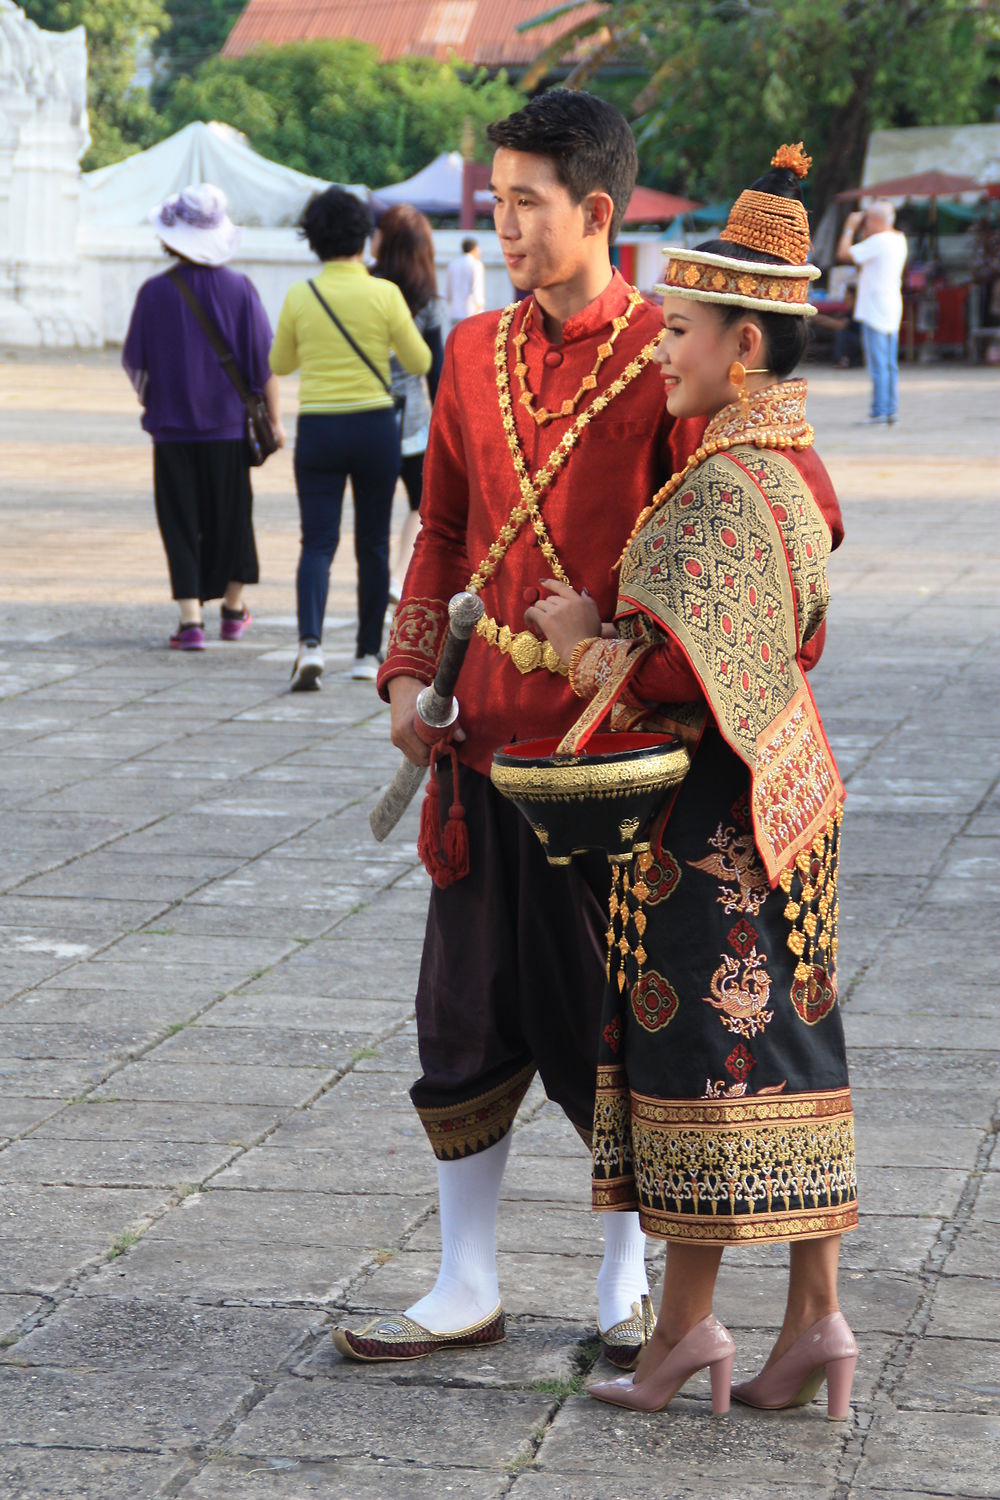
(207, 1155)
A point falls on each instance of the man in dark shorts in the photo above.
(548, 437)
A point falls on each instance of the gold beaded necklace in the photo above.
(588, 383)
(772, 418)
(524, 649)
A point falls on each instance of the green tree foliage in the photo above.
(332, 109)
(196, 31)
(121, 116)
(719, 83)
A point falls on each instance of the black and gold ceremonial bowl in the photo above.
(603, 798)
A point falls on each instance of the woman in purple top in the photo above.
(193, 413)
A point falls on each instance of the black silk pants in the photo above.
(511, 981)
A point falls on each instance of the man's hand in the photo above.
(844, 243)
(403, 695)
(564, 617)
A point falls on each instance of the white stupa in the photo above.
(43, 135)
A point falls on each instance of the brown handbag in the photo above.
(261, 437)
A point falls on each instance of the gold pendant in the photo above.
(552, 661)
(526, 651)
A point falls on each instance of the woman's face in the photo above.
(694, 354)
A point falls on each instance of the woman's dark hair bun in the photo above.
(781, 181)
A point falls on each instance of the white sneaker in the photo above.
(308, 669)
(365, 668)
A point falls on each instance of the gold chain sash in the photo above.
(524, 649)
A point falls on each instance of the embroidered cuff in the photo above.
(415, 640)
(590, 670)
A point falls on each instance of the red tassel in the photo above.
(456, 835)
(444, 853)
(429, 837)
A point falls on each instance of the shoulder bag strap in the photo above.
(227, 358)
(356, 347)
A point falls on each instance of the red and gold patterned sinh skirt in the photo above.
(723, 1107)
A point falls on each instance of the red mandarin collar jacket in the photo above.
(470, 488)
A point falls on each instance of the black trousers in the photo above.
(511, 980)
(412, 475)
(204, 508)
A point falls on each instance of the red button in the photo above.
(553, 358)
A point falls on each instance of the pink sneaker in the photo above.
(234, 622)
(188, 638)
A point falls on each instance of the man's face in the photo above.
(543, 233)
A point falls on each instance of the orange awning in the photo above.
(917, 185)
(649, 206)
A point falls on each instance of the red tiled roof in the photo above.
(650, 206)
(477, 31)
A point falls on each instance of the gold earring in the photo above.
(737, 377)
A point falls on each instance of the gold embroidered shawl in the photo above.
(734, 568)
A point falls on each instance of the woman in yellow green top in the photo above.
(339, 330)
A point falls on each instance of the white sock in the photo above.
(466, 1288)
(622, 1277)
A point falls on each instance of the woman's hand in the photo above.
(564, 617)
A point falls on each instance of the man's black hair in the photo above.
(469, 244)
(587, 140)
(786, 335)
(336, 224)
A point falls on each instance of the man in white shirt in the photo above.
(880, 257)
(466, 285)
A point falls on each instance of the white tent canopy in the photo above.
(436, 189)
(970, 150)
(260, 192)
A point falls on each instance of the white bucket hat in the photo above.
(195, 224)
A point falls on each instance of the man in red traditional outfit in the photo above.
(549, 436)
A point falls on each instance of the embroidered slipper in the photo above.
(399, 1337)
(624, 1342)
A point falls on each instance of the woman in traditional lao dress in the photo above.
(723, 1107)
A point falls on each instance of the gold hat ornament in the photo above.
(768, 223)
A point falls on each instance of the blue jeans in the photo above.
(329, 447)
(881, 357)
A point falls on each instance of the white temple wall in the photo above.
(115, 263)
(43, 134)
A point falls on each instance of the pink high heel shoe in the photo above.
(708, 1343)
(826, 1349)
